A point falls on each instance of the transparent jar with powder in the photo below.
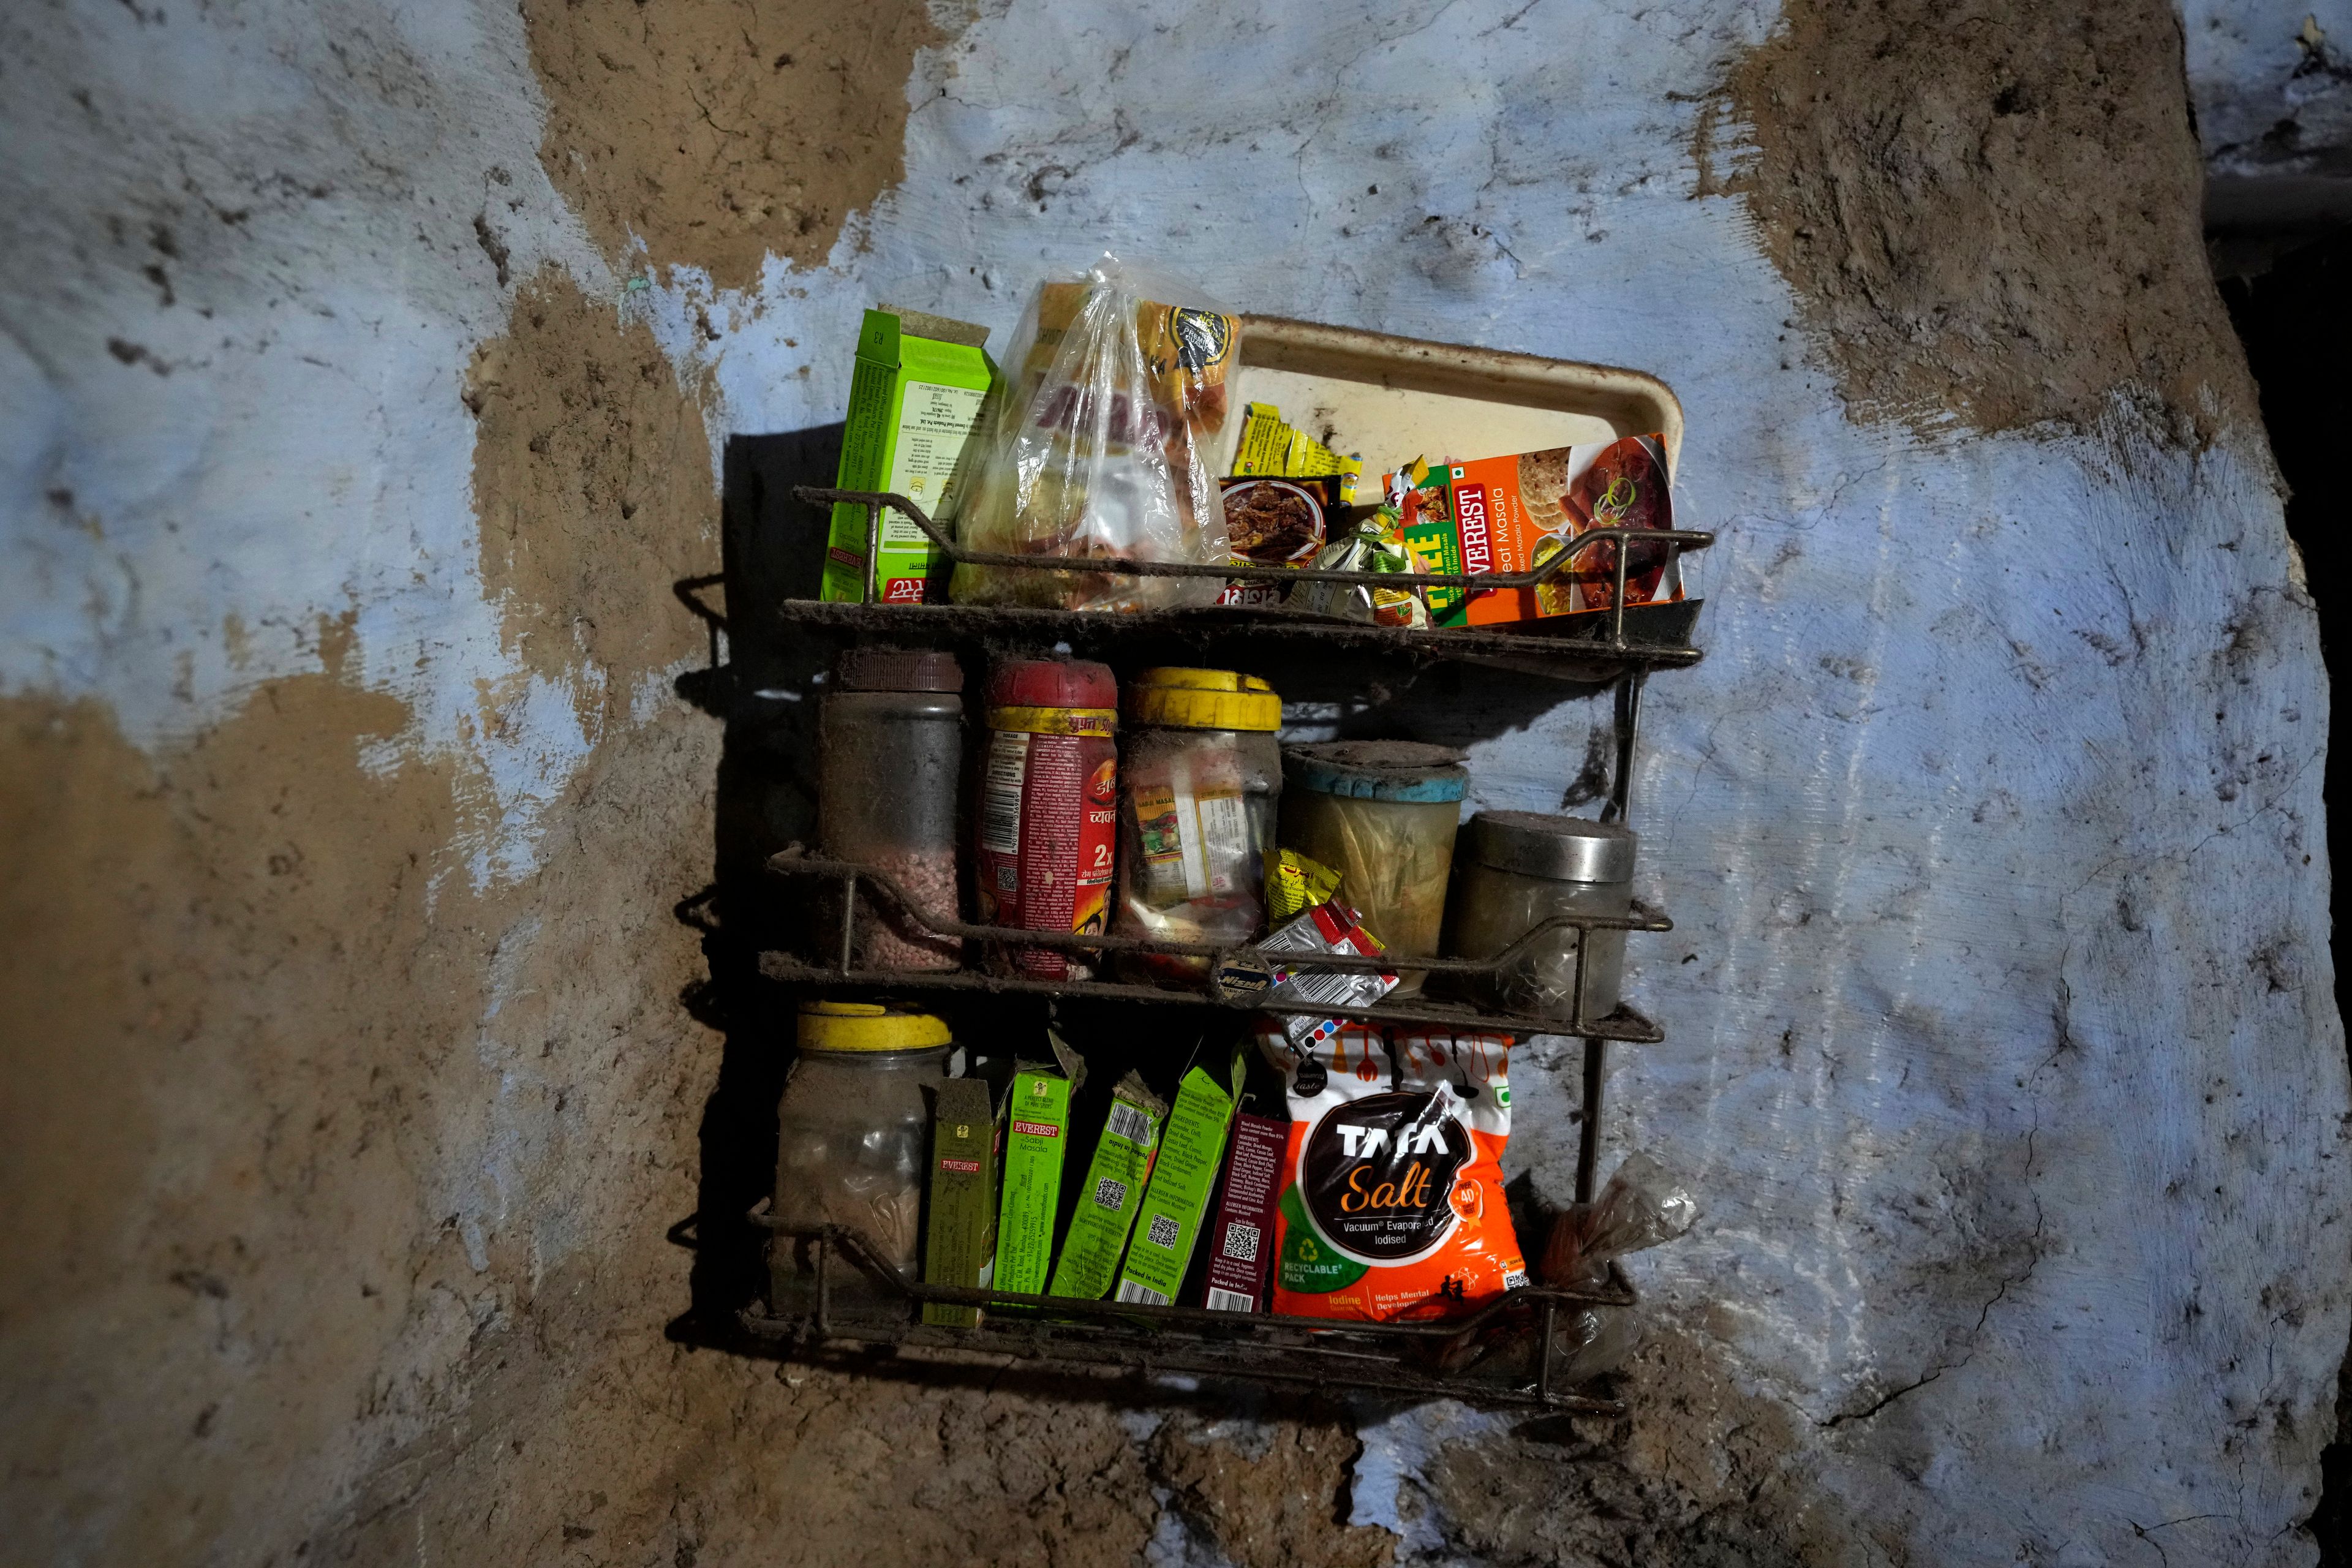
(1384, 814)
(853, 1135)
(889, 763)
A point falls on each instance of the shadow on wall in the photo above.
(2297, 324)
(758, 683)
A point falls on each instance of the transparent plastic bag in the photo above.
(1104, 444)
(1645, 1204)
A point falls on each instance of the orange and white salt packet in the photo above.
(1392, 1205)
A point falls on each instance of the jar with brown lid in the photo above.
(890, 762)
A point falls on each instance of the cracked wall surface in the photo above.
(366, 375)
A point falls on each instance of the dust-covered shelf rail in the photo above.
(1239, 976)
(1594, 646)
(1505, 1353)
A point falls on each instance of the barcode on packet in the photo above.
(1163, 1231)
(1143, 1295)
(1128, 1123)
(1230, 1301)
(999, 802)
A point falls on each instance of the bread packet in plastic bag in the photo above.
(1104, 444)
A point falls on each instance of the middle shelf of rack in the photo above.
(1238, 978)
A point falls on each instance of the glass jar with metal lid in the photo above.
(890, 762)
(1199, 776)
(853, 1133)
(1518, 870)
(1384, 814)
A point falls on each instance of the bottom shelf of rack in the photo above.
(1504, 1354)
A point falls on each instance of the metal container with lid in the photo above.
(890, 762)
(853, 1131)
(1384, 814)
(1520, 868)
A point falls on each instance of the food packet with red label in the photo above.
(1391, 1206)
(1331, 926)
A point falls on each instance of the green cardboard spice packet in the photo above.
(1113, 1192)
(1036, 1138)
(1169, 1223)
(914, 403)
(960, 1243)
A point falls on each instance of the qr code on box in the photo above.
(1162, 1232)
(1241, 1241)
(1110, 1195)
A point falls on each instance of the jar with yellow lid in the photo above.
(1200, 775)
(853, 1133)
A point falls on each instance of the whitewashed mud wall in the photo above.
(2003, 1050)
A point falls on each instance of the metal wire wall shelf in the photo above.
(1388, 391)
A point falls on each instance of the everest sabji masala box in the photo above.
(1511, 514)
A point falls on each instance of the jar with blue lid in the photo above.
(1384, 814)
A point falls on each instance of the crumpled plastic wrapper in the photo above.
(1643, 1205)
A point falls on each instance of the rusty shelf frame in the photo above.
(1612, 649)
(1400, 1358)
(1217, 986)
(1576, 641)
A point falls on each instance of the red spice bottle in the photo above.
(1048, 806)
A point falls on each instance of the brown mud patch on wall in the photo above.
(1990, 211)
(322, 1165)
(591, 478)
(1272, 1496)
(719, 134)
(227, 1008)
(1697, 1473)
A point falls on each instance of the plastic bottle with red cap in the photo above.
(1047, 822)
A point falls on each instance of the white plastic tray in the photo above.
(1393, 399)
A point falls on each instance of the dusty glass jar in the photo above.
(889, 762)
(1519, 868)
(852, 1136)
(1384, 814)
(1199, 773)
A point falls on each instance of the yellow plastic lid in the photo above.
(868, 1027)
(1202, 699)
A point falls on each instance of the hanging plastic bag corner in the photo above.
(1104, 444)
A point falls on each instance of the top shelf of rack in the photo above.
(1388, 398)
(1657, 635)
